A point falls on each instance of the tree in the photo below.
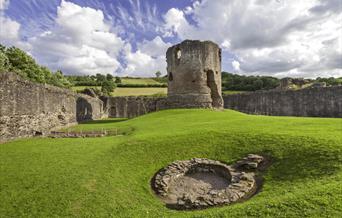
(109, 77)
(158, 74)
(107, 87)
(248, 83)
(258, 84)
(4, 62)
(17, 61)
(118, 80)
(100, 78)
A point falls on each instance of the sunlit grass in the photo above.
(110, 176)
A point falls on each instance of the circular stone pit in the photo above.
(200, 183)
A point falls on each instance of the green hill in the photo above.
(110, 176)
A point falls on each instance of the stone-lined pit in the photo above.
(200, 183)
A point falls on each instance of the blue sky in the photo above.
(130, 37)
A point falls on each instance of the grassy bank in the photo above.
(109, 176)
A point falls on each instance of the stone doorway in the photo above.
(214, 89)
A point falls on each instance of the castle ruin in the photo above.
(194, 75)
(194, 81)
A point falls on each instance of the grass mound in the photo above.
(110, 176)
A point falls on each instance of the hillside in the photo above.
(110, 176)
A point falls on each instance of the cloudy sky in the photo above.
(130, 37)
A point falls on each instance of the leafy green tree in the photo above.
(107, 87)
(158, 74)
(16, 60)
(4, 62)
(118, 80)
(248, 83)
(100, 78)
(109, 77)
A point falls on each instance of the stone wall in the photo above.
(310, 102)
(129, 107)
(28, 108)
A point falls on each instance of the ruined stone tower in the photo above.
(194, 75)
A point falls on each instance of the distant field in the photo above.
(132, 91)
(139, 81)
(79, 88)
(135, 91)
(129, 91)
(138, 91)
(229, 92)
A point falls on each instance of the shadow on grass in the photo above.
(113, 120)
(293, 157)
(307, 162)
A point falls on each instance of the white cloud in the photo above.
(156, 47)
(176, 23)
(268, 37)
(9, 31)
(274, 37)
(236, 65)
(80, 43)
(4, 4)
(148, 59)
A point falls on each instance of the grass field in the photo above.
(139, 91)
(145, 81)
(110, 176)
(119, 91)
(80, 88)
(230, 92)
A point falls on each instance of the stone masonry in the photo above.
(28, 109)
(309, 102)
(194, 75)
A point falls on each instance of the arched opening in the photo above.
(214, 89)
(220, 55)
(178, 55)
(170, 76)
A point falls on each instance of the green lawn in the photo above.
(110, 176)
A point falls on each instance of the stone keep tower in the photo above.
(194, 75)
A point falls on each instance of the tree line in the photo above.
(237, 82)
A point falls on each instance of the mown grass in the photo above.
(81, 88)
(231, 92)
(139, 91)
(120, 91)
(109, 177)
(142, 81)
